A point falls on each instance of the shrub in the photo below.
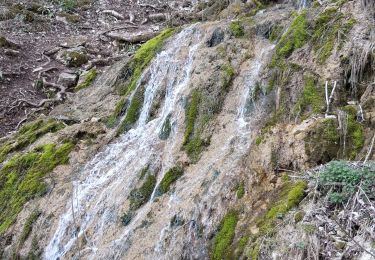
(341, 180)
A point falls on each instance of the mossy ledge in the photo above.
(28, 134)
(134, 69)
(21, 178)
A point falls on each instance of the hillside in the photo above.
(196, 130)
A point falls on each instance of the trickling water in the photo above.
(113, 171)
(102, 187)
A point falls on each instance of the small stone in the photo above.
(95, 119)
(68, 80)
(74, 42)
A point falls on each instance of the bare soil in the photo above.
(32, 33)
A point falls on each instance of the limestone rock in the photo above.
(67, 79)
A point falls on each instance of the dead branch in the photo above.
(370, 149)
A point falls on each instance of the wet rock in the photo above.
(5, 43)
(216, 38)
(67, 79)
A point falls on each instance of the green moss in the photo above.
(328, 26)
(171, 176)
(133, 112)
(240, 190)
(21, 178)
(89, 78)
(27, 228)
(143, 57)
(224, 237)
(140, 196)
(276, 32)
(191, 115)
(76, 58)
(119, 110)
(28, 134)
(194, 148)
(312, 97)
(237, 29)
(294, 38)
(355, 137)
(289, 197)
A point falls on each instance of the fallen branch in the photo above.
(330, 98)
(370, 149)
(114, 14)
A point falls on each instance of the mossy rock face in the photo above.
(322, 142)
(21, 178)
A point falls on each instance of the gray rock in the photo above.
(68, 80)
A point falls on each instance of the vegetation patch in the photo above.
(28, 134)
(237, 29)
(354, 138)
(133, 112)
(240, 190)
(312, 98)
(143, 57)
(166, 129)
(341, 180)
(224, 238)
(21, 178)
(329, 27)
(138, 197)
(295, 37)
(28, 227)
(170, 177)
(88, 79)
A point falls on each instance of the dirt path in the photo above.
(37, 36)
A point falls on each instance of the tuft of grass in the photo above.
(28, 227)
(143, 57)
(170, 177)
(28, 134)
(224, 237)
(240, 190)
(237, 29)
(21, 178)
(89, 78)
